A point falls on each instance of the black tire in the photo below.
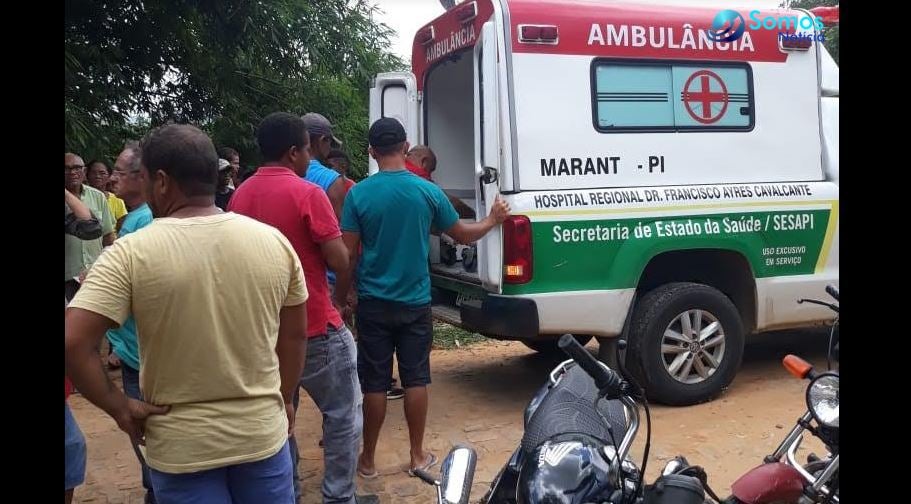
(549, 346)
(652, 316)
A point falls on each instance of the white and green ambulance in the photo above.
(666, 186)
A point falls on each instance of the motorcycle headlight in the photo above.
(822, 399)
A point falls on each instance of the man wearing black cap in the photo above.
(390, 214)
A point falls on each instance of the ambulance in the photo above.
(671, 183)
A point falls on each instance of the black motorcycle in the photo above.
(579, 429)
(569, 452)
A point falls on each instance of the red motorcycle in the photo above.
(781, 479)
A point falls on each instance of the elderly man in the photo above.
(129, 185)
(81, 254)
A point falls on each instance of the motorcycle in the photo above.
(781, 479)
(569, 455)
(569, 451)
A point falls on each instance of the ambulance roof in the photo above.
(599, 28)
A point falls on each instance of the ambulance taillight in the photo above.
(517, 252)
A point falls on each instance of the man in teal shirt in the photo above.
(390, 214)
(128, 186)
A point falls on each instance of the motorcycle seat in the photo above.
(569, 407)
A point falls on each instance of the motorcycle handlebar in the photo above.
(608, 382)
(833, 291)
(830, 306)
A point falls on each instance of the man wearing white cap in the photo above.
(223, 190)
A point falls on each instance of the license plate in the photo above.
(462, 298)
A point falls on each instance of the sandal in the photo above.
(430, 463)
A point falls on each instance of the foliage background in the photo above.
(220, 64)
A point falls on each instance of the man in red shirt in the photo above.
(278, 195)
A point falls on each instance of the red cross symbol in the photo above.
(705, 96)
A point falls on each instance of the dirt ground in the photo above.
(478, 396)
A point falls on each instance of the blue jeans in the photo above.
(74, 454)
(131, 389)
(265, 481)
(330, 379)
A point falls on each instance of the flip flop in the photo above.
(430, 463)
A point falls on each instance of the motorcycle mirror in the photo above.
(674, 466)
(457, 474)
(798, 367)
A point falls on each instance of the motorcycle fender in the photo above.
(769, 483)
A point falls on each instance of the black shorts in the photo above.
(384, 327)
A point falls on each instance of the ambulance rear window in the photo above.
(672, 96)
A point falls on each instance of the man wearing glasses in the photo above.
(128, 185)
(81, 254)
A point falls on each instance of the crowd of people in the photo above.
(223, 294)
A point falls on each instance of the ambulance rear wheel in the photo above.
(686, 343)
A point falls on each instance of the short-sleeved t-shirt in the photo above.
(393, 211)
(123, 339)
(118, 207)
(302, 212)
(321, 175)
(206, 293)
(81, 254)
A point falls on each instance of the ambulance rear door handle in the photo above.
(490, 175)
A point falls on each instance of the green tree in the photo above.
(829, 32)
(220, 64)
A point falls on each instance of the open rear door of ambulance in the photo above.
(488, 162)
(395, 94)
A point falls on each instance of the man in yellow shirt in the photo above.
(219, 304)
